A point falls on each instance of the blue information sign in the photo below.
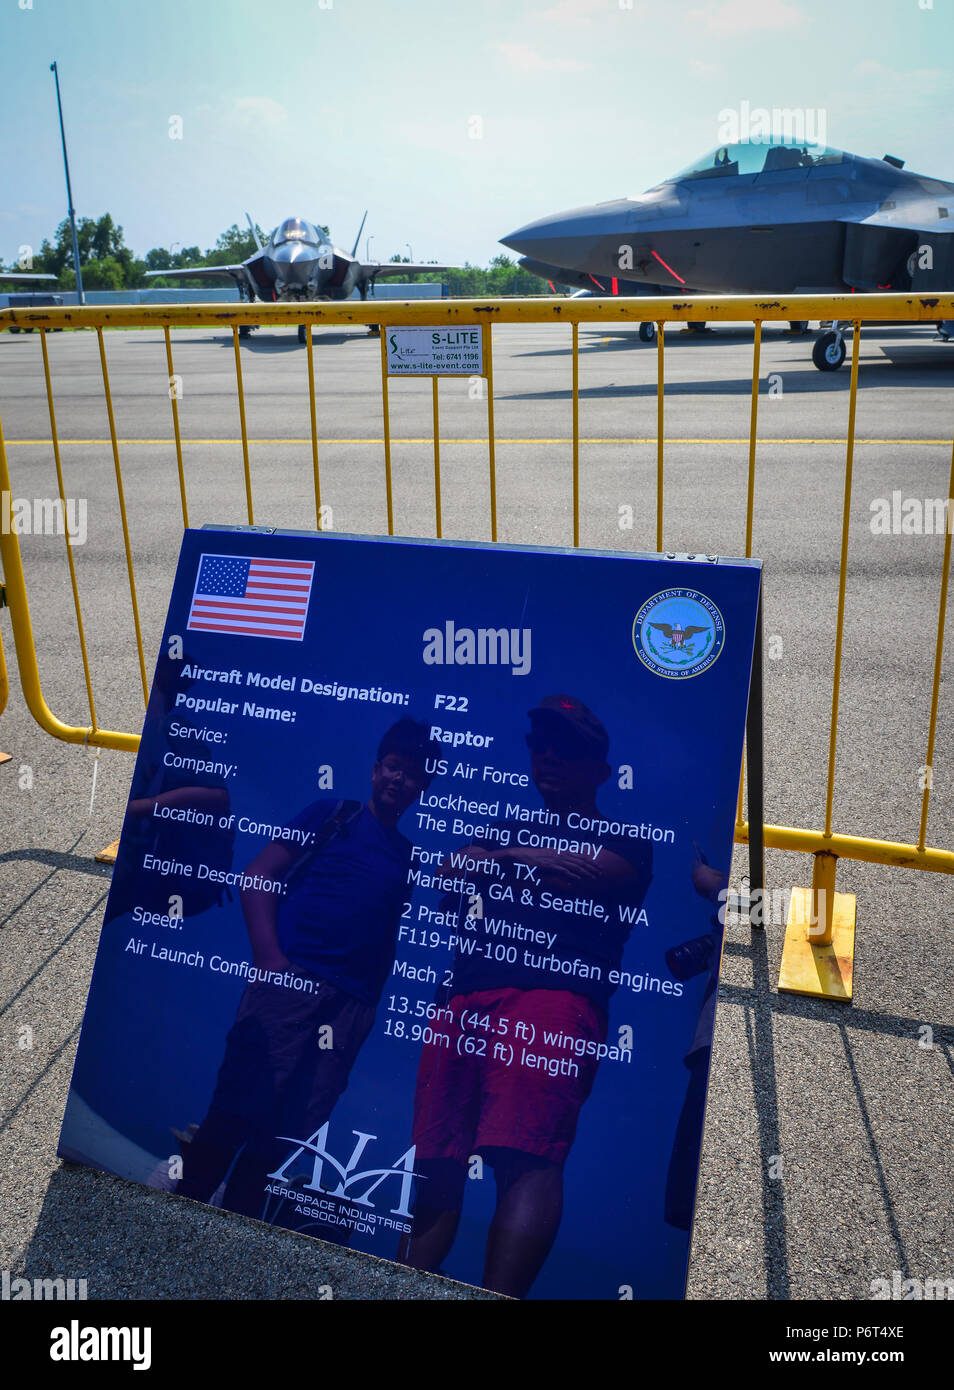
(413, 939)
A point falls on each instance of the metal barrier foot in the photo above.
(819, 951)
(107, 855)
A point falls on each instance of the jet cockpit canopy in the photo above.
(759, 157)
(297, 229)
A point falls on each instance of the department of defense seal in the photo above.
(678, 633)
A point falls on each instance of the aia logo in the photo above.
(353, 1186)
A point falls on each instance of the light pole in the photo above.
(69, 192)
(410, 253)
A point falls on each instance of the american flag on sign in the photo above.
(251, 597)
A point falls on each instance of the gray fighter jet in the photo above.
(299, 263)
(20, 276)
(770, 217)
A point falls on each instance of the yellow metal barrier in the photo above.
(4, 692)
(821, 922)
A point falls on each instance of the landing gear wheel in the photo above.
(697, 327)
(374, 330)
(302, 335)
(13, 330)
(829, 352)
(647, 332)
(798, 325)
(245, 330)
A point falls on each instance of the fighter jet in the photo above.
(299, 263)
(770, 217)
(19, 275)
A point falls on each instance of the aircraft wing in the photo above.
(205, 272)
(371, 270)
(11, 275)
(908, 220)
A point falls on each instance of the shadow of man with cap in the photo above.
(529, 1024)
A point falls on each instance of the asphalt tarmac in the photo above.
(827, 1156)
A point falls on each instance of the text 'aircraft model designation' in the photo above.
(300, 264)
(771, 217)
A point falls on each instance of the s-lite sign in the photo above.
(413, 939)
(438, 351)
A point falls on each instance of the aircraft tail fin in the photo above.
(255, 236)
(354, 249)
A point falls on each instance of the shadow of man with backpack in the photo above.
(322, 950)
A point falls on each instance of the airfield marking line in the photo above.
(501, 439)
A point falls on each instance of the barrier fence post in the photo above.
(386, 419)
(313, 413)
(749, 511)
(818, 955)
(4, 682)
(754, 744)
(174, 401)
(491, 437)
(938, 655)
(660, 387)
(437, 461)
(575, 348)
(240, 392)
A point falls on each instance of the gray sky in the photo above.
(453, 123)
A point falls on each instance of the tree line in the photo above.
(108, 263)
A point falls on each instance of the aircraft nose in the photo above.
(570, 238)
(293, 262)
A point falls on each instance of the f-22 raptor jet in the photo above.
(770, 217)
(300, 263)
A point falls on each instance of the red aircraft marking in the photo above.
(669, 268)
